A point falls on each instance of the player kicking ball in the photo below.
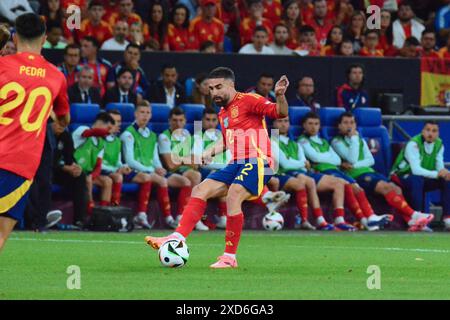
(243, 125)
(31, 87)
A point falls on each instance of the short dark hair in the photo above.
(114, 111)
(310, 115)
(71, 46)
(412, 41)
(354, 66)
(428, 30)
(208, 111)
(369, 31)
(94, 3)
(432, 122)
(177, 111)
(207, 44)
(404, 3)
(168, 66)
(278, 25)
(222, 72)
(346, 114)
(104, 117)
(306, 29)
(266, 75)
(123, 70)
(92, 40)
(260, 28)
(133, 45)
(30, 26)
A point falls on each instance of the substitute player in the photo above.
(29, 87)
(244, 128)
(358, 162)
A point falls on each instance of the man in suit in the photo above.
(83, 91)
(122, 92)
(168, 90)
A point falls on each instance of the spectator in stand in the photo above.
(264, 87)
(406, 26)
(346, 48)
(386, 36)
(125, 13)
(208, 47)
(442, 21)
(54, 14)
(319, 22)
(259, 43)
(445, 51)
(371, 41)
(155, 30)
(71, 65)
(352, 95)
(119, 41)
(355, 30)
(207, 27)
(411, 48)
(272, 10)
(131, 59)
(305, 95)
(83, 91)
(343, 12)
(9, 48)
(89, 54)
(168, 90)
(428, 43)
(230, 15)
(136, 35)
(54, 37)
(192, 5)
(306, 9)
(200, 93)
(308, 45)
(254, 20)
(179, 36)
(281, 36)
(334, 40)
(293, 20)
(94, 25)
(122, 92)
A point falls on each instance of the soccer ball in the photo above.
(173, 254)
(273, 221)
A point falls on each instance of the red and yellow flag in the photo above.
(435, 82)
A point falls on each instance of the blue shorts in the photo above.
(252, 175)
(339, 174)
(284, 178)
(14, 192)
(369, 181)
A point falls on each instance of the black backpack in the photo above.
(118, 219)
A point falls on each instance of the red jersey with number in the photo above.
(244, 126)
(207, 31)
(30, 87)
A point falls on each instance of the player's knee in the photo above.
(186, 182)
(200, 191)
(107, 182)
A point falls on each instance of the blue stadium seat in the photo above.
(193, 111)
(82, 114)
(160, 117)
(125, 109)
(189, 86)
(371, 128)
(130, 188)
(227, 44)
(328, 119)
(296, 115)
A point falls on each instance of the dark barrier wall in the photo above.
(382, 74)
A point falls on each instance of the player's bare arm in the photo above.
(207, 155)
(280, 91)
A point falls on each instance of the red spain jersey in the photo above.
(30, 87)
(247, 27)
(181, 39)
(244, 127)
(204, 31)
(101, 32)
(132, 18)
(272, 11)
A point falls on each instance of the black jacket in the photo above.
(158, 94)
(113, 95)
(75, 95)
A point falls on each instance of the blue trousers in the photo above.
(415, 187)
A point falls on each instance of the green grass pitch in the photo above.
(272, 265)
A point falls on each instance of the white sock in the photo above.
(230, 255)
(415, 215)
(372, 216)
(179, 236)
(339, 220)
(320, 220)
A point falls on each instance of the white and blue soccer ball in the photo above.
(173, 254)
(273, 221)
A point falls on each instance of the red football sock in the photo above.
(364, 204)
(164, 201)
(104, 203)
(352, 203)
(398, 202)
(317, 212)
(258, 201)
(233, 232)
(192, 213)
(222, 208)
(183, 198)
(339, 212)
(116, 193)
(301, 198)
(143, 196)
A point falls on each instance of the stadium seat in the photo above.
(189, 86)
(328, 119)
(296, 115)
(227, 44)
(125, 109)
(371, 128)
(82, 114)
(160, 117)
(194, 112)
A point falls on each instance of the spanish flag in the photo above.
(435, 81)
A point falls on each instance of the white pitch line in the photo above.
(421, 250)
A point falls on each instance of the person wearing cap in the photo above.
(207, 27)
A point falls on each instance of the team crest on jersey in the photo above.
(225, 122)
(234, 112)
(368, 178)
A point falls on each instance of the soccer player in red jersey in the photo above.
(242, 120)
(29, 87)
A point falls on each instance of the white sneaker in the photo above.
(222, 222)
(141, 219)
(419, 221)
(274, 200)
(171, 222)
(201, 227)
(178, 219)
(369, 227)
(307, 226)
(447, 224)
(380, 220)
(53, 217)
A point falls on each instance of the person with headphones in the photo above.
(351, 94)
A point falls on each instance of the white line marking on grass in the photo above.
(424, 250)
